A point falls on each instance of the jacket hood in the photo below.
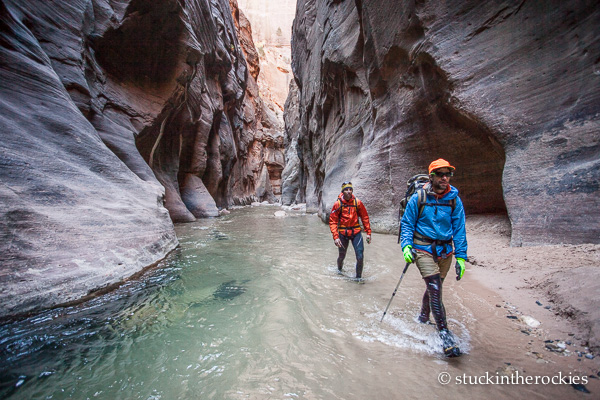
(452, 194)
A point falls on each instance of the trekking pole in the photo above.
(395, 290)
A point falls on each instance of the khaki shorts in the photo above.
(428, 268)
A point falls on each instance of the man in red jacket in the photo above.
(344, 226)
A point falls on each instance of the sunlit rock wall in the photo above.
(116, 117)
(257, 174)
(506, 91)
(272, 31)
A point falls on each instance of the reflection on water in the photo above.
(249, 306)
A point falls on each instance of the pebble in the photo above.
(569, 342)
(538, 303)
(530, 321)
(511, 317)
(555, 348)
(590, 356)
(547, 307)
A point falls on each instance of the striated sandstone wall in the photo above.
(506, 91)
(118, 117)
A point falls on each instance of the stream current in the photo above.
(249, 306)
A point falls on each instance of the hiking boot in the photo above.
(449, 344)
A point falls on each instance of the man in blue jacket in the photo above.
(434, 219)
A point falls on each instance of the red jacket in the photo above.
(345, 220)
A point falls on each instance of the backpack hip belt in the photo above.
(348, 228)
(434, 243)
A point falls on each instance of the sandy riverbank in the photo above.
(556, 287)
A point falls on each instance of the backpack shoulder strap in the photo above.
(421, 200)
(340, 211)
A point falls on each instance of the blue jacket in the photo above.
(440, 223)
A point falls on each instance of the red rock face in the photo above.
(118, 118)
(507, 92)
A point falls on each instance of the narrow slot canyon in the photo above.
(170, 169)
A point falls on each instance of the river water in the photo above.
(250, 306)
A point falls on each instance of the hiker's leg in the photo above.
(444, 265)
(431, 273)
(342, 252)
(425, 308)
(427, 267)
(359, 249)
(434, 287)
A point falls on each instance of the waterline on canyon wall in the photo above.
(249, 306)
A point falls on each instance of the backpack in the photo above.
(415, 184)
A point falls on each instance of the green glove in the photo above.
(460, 268)
(408, 256)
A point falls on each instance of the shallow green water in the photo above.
(248, 307)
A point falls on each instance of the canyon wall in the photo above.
(261, 164)
(272, 32)
(118, 117)
(507, 91)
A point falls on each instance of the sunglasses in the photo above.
(443, 174)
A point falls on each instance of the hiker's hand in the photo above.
(408, 256)
(369, 239)
(338, 242)
(460, 268)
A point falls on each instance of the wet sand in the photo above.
(504, 286)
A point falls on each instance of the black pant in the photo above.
(359, 248)
(432, 302)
